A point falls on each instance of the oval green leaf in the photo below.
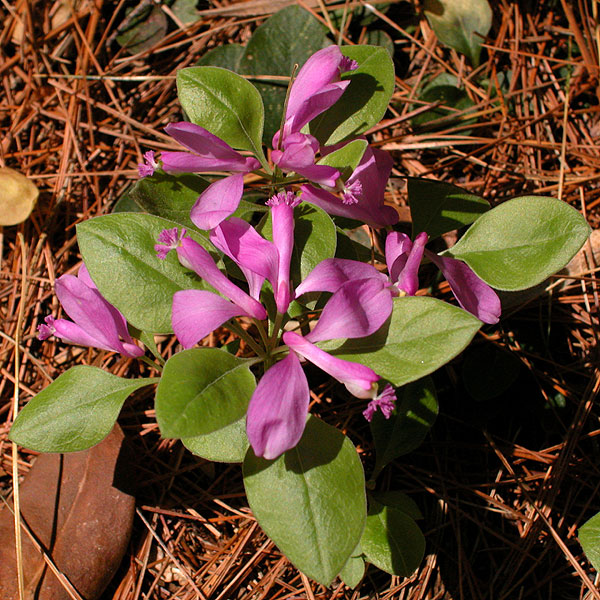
(392, 540)
(228, 444)
(201, 391)
(311, 500)
(365, 100)
(422, 335)
(589, 538)
(521, 242)
(169, 196)
(460, 24)
(438, 207)
(224, 103)
(346, 158)
(118, 251)
(75, 412)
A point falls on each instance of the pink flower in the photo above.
(95, 322)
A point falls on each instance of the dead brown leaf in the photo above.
(74, 508)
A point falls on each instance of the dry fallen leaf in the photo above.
(73, 505)
(17, 196)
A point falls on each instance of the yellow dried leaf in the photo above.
(17, 196)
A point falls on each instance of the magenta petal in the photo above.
(408, 278)
(196, 313)
(96, 322)
(217, 202)
(278, 409)
(251, 252)
(472, 293)
(330, 274)
(375, 215)
(356, 377)
(192, 255)
(397, 248)
(90, 311)
(74, 334)
(299, 150)
(282, 215)
(210, 151)
(316, 104)
(119, 320)
(321, 69)
(358, 308)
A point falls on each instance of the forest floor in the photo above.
(503, 481)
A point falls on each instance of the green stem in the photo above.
(275, 332)
(241, 332)
(151, 363)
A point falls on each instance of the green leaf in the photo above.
(454, 103)
(126, 204)
(228, 444)
(144, 26)
(75, 412)
(169, 196)
(460, 24)
(400, 501)
(519, 243)
(201, 391)
(118, 251)
(185, 11)
(405, 430)
(365, 100)
(346, 158)
(589, 538)
(224, 103)
(438, 207)
(422, 335)
(227, 57)
(353, 571)
(311, 500)
(378, 37)
(287, 38)
(392, 540)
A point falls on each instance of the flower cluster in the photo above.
(360, 297)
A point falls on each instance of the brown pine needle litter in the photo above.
(503, 484)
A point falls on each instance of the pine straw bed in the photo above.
(503, 485)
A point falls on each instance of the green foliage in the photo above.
(519, 243)
(416, 411)
(201, 391)
(460, 24)
(365, 100)
(311, 500)
(118, 251)
(169, 196)
(75, 412)
(452, 100)
(287, 38)
(143, 27)
(589, 538)
(353, 571)
(228, 444)
(224, 103)
(346, 158)
(422, 335)
(438, 207)
(392, 540)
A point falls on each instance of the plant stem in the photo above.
(151, 363)
(241, 332)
